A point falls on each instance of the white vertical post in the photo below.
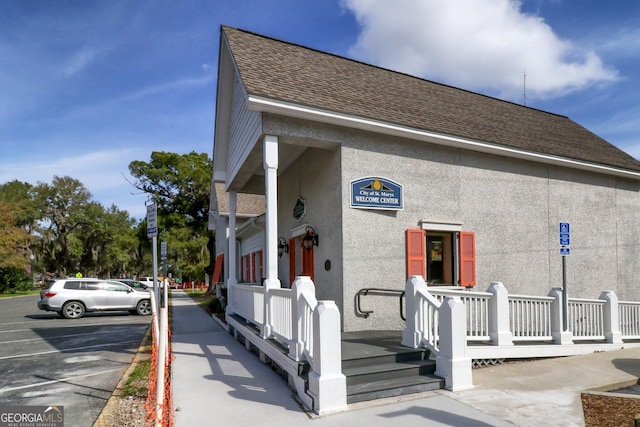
(301, 285)
(232, 279)
(156, 286)
(452, 363)
(560, 336)
(270, 163)
(611, 320)
(327, 383)
(412, 335)
(499, 330)
(163, 338)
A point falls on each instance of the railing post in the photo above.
(327, 383)
(267, 323)
(412, 335)
(611, 320)
(499, 330)
(452, 363)
(559, 335)
(301, 285)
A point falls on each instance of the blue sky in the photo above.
(86, 87)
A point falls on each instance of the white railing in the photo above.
(477, 310)
(530, 317)
(629, 315)
(439, 326)
(306, 304)
(586, 319)
(280, 302)
(309, 328)
(248, 302)
(429, 320)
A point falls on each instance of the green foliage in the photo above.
(57, 229)
(180, 186)
(13, 279)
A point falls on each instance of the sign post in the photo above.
(152, 233)
(165, 281)
(565, 251)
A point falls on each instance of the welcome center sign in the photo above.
(376, 193)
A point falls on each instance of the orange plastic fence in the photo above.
(167, 419)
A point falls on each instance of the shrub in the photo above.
(215, 306)
(13, 279)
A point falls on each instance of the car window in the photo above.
(72, 285)
(112, 286)
(93, 286)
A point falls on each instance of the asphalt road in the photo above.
(51, 361)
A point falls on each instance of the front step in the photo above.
(377, 366)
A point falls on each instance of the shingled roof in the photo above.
(290, 73)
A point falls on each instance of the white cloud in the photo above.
(79, 61)
(476, 44)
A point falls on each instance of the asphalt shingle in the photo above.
(295, 74)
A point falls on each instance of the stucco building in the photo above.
(370, 175)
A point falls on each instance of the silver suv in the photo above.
(71, 298)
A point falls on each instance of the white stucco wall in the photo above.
(513, 207)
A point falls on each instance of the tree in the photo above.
(64, 209)
(180, 186)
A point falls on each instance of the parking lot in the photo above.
(51, 361)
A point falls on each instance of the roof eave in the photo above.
(268, 105)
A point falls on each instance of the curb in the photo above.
(109, 408)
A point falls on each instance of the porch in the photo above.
(447, 332)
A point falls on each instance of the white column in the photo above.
(559, 336)
(499, 315)
(327, 383)
(452, 364)
(611, 320)
(231, 255)
(270, 163)
(271, 196)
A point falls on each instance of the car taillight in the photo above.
(49, 294)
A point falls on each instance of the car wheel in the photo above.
(73, 310)
(144, 307)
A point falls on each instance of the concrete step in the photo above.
(395, 387)
(388, 371)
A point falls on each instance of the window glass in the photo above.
(93, 286)
(72, 285)
(118, 287)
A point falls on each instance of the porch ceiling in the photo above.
(250, 177)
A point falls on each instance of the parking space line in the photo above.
(59, 336)
(68, 349)
(4, 390)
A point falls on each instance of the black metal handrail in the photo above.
(379, 292)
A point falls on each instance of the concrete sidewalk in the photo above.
(217, 382)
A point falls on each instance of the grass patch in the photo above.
(137, 383)
(19, 294)
(202, 299)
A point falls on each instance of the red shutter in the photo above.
(260, 260)
(218, 268)
(416, 253)
(253, 267)
(292, 261)
(467, 259)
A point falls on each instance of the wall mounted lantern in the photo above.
(283, 246)
(310, 238)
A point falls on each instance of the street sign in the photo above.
(564, 251)
(152, 221)
(163, 251)
(565, 234)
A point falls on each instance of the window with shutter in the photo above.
(416, 261)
